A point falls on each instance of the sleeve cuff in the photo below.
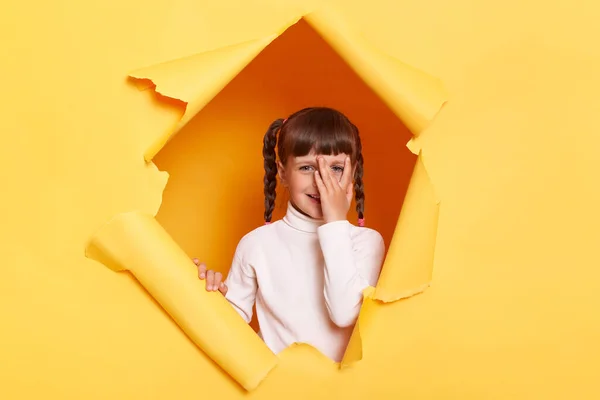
(341, 226)
(335, 238)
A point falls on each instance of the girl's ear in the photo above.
(281, 173)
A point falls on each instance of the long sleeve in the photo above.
(351, 265)
(241, 284)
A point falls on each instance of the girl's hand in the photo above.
(336, 196)
(213, 279)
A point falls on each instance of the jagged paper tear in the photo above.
(408, 267)
(196, 80)
(137, 243)
(414, 96)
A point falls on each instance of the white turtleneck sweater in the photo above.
(306, 278)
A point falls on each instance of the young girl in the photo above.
(306, 272)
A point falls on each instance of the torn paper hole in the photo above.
(212, 154)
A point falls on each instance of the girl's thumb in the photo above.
(223, 288)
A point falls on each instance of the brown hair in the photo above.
(319, 129)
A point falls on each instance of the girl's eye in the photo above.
(335, 169)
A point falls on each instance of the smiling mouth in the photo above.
(315, 197)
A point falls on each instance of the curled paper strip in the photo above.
(408, 266)
(137, 243)
(414, 96)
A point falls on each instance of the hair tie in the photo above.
(361, 222)
(284, 121)
(267, 223)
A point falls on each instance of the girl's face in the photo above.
(298, 176)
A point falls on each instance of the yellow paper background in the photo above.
(327, 63)
(512, 311)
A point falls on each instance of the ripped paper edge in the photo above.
(385, 298)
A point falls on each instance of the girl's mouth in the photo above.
(315, 197)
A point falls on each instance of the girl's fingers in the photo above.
(324, 173)
(201, 271)
(214, 280)
(347, 174)
(223, 288)
(217, 282)
(349, 192)
(210, 279)
(320, 184)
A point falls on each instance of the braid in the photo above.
(359, 192)
(270, 164)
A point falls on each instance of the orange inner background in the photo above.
(215, 193)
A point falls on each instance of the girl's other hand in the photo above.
(336, 196)
(213, 279)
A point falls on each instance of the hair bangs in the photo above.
(323, 133)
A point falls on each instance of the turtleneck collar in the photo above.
(297, 220)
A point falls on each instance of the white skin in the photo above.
(319, 186)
